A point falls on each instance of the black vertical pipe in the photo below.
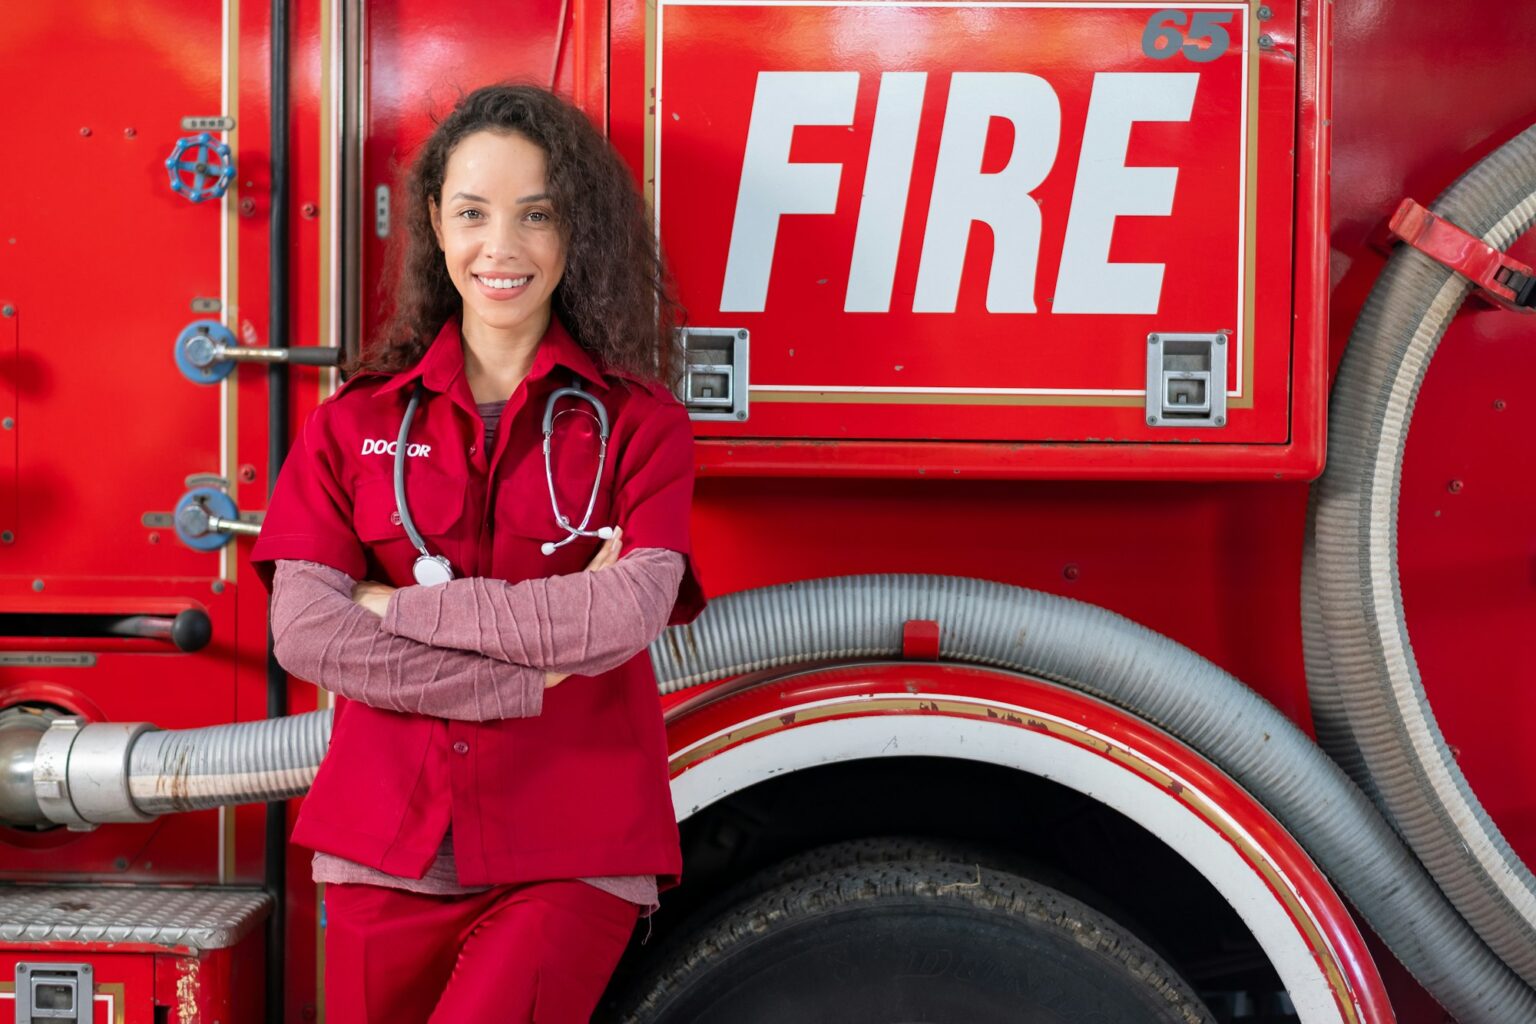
(276, 861)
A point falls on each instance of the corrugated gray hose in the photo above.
(248, 762)
(1103, 654)
(1368, 700)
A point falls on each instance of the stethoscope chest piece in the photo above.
(430, 570)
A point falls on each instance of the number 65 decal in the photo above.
(1163, 38)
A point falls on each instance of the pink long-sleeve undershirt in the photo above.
(473, 649)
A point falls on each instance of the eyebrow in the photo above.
(481, 199)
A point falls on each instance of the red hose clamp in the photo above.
(920, 640)
(1506, 282)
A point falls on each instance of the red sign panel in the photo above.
(964, 221)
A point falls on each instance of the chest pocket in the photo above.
(436, 507)
(524, 506)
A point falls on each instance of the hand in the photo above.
(554, 678)
(608, 553)
(373, 596)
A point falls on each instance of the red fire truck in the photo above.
(1113, 491)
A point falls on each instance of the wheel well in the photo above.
(1036, 827)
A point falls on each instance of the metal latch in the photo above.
(49, 993)
(714, 385)
(1187, 380)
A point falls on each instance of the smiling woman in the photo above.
(503, 250)
(494, 809)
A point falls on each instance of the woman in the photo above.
(494, 809)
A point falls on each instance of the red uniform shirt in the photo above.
(579, 790)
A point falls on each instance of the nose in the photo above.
(504, 240)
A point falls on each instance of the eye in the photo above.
(469, 214)
(538, 216)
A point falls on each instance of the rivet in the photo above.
(1267, 41)
(85, 131)
(1070, 571)
(1221, 421)
(218, 586)
(8, 423)
(7, 537)
(741, 415)
(1221, 337)
(1151, 421)
(1498, 405)
(129, 133)
(742, 335)
(37, 585)
(1265, 14)
(8, 309)
(1153, 339)
(121, 863)
(310, 210)
(1454, 486)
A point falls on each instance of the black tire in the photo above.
(912, 942)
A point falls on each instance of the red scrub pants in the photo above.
(534, 952)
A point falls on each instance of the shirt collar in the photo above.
(443, 361)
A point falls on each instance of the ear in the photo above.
(437, 221)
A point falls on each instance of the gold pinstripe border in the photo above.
(835, 396)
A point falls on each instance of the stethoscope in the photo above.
(430, 569)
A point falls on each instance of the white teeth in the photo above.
(504, 282)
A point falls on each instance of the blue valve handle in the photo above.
(215, 502)
(195, 346)
(210, 178)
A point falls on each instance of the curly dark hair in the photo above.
(616, 296)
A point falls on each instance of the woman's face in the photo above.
(496, 226)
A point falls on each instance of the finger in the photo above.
(598, 556)
(599, 560)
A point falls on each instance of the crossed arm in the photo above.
(473, 649)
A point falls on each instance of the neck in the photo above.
(496, 361)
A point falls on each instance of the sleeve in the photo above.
(310, 514)
(653, 497)
(320, 634)
(583, 623)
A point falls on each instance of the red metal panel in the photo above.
(103, 260)
(1082, 359)
(808, 335)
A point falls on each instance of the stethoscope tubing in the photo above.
(572, 532)
(430, 568)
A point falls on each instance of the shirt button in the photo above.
(461, 747)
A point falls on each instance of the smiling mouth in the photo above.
(503, 283)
